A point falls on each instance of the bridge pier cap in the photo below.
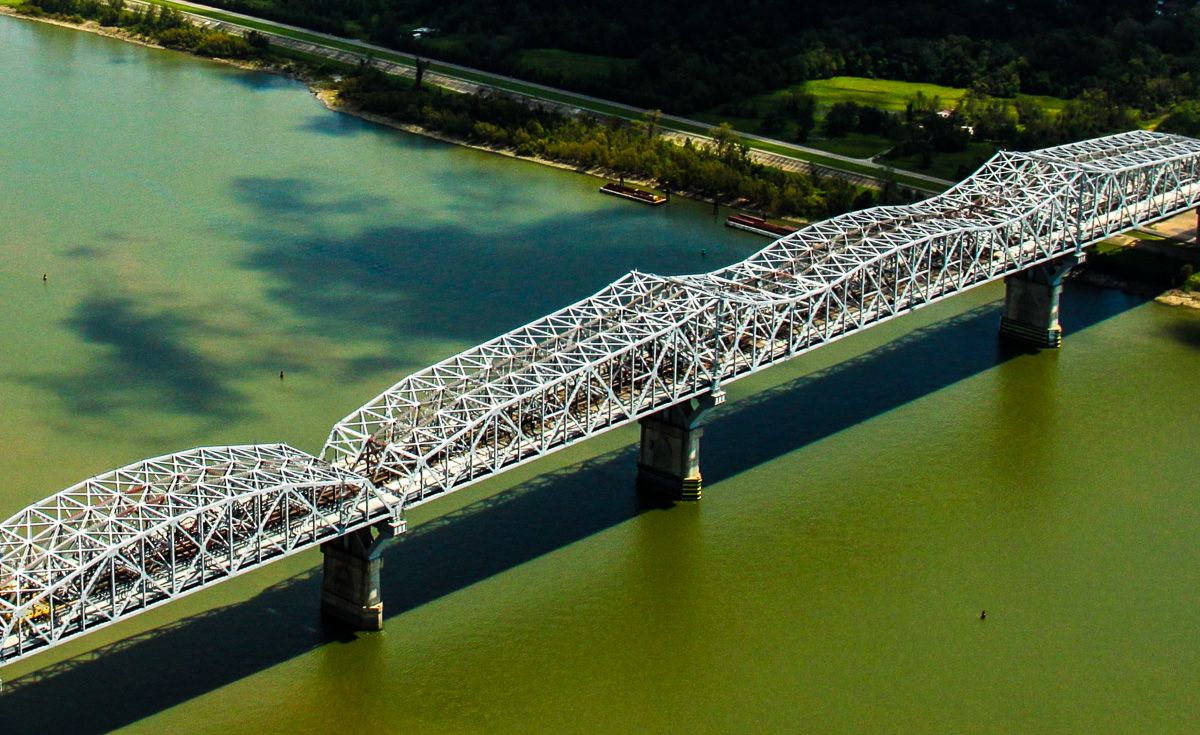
(350, 588)
(669, 451)
(1031, 303)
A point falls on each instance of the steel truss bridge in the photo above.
(129, 540)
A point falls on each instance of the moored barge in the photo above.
(758, 226)
(637, 195)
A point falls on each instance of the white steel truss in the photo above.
(647, 342)
(134, 538)
(126, 541)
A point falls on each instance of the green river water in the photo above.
(203, 228)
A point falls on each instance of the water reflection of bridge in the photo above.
(648, 348)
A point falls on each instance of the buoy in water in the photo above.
(281, 375)
(703, 252)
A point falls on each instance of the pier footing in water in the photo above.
(1031, 300)
(669, 460)
(350, 583)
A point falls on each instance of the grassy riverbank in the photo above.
(161, 25)
(721, 170)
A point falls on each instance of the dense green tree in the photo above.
(841, 118)
(683, 55)
(721, 168)
(1184, 119)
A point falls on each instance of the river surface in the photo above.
(203, 228)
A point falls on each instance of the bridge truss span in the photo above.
(647, 342)
(134, 538)
(131, 539)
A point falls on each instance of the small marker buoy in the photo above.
(703, 252)
(983, 615)
(281, 375)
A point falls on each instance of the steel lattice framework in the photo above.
(134, 538)
(647, 341)
(123, 542)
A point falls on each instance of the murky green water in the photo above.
(203, 228)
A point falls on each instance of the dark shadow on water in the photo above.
(1185, 330)
(445, 281)
(83, 252)
(143, 351)
(261, 81)
(334, 126)
(466, 280)
(141, 676)
(286, 197)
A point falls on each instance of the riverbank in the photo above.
(1177, 297)
(120, 34)
(328, 96)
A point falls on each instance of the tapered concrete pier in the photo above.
(669, 460)
(350, 585)
(1031, 300)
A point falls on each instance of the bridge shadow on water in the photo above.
(126, 681)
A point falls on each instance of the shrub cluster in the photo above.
(721, 169)
(161, 24)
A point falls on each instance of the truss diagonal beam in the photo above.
(137, 537)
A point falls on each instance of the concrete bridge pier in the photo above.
(669, 460)
(350, 583)
(1031, 303)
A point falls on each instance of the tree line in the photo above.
(158, 23)
(686, 55)
(929, 125)
(720, 170)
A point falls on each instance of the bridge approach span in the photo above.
(648, 347)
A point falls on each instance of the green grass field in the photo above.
(893, 96)
(882, 93)
(570, 64)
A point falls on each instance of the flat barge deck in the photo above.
(758, 226)
(628, 192)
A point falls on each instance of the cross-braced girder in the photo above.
(137, 537)
(648, 341)
(128, 540)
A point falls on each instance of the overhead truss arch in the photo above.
(647, 341)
